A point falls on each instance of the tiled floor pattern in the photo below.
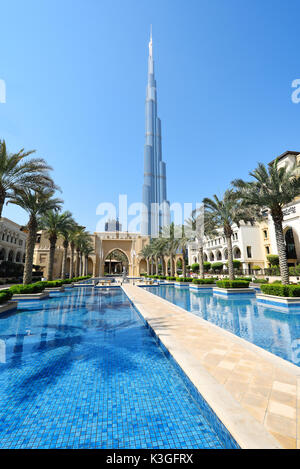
(266, 388)
(80, 370)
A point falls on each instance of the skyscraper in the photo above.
(155, 213)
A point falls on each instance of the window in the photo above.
(249, 254)
(265, 233)
(267, 250)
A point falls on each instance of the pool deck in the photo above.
(253, 392)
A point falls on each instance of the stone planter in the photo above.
(7, 307)
(194, 286)
(278, 300)
(68, 285)
(232, 291)
(54, 289)
(31, 296)
(181, 284)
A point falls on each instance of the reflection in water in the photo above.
(80, 370)
(266, 326)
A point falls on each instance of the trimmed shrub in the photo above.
(5, 295)
(217, 266)
(162, 277)
(273, 259)
(171, 278)
(26, 289)
(206, 266)
(247, 279)
(260, 280)
(203, 281)
(232, 283)
(195, 267)
(281, 290)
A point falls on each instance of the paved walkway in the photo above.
(254, 393)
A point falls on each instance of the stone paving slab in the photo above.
(254, 393)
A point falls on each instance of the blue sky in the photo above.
(76, 72)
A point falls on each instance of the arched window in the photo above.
(18, 257)
(10, 256)
(236, 253)
(290, 244)
(2, 254)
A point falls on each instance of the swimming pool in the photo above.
(265, 326)
(81, 370)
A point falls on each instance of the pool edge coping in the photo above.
(244, 429)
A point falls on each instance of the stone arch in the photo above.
(289, 237)
(236, 252)
(111, 251)
(195, 260)
(218, 255)
(211, 256)
(10, 256)
(2, 254)
(142, 266)
(205, 257)
(18, 256)
(90, 266)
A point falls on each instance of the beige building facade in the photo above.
(12, 241)
(104, 243)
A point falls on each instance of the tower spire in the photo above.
(150, 42)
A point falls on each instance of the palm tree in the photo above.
(146, 253)
(87, 249)
(35, 203)
(81, 239)
(159, 248)
(172, 243)
(17, 172)
(66, 235)
(183, 241)
(225, 213)
(54, 224)
(74, 233)
(272, 188)
(199, 226)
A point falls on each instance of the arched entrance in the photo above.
(115, 262)
(90, 266)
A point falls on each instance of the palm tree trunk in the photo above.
(2, 200)
(183, 263)
(201, 263)
(30, 243)
(283, 265)
(156, 265)
(163, 265)
(72, 262)
(80, 264)
(172, 265)
(230, 258)
(151, 265)
(51, 257)
(64, 262)
(77, 264)
(148, 266)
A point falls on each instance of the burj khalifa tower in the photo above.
(156, 208)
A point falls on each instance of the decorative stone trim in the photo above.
(280, 300)
(55, 289)
(232, 291)
(31, 296)
(194, 286)
(6, 307)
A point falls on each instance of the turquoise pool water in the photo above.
(266, 326)
(81, 370)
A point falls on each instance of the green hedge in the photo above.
(171, 278)
(184, 279)
(162, 277)
(27, 289)
(281, 290)
(204, 281)
(5, 295)
(247, 279)
(260, 280)
(232, 283)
